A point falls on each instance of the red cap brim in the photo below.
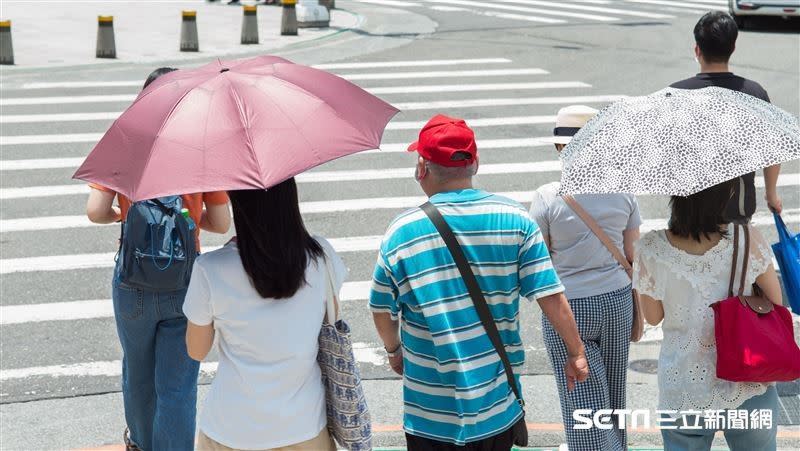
(413, 146)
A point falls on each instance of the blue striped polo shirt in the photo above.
(454, 386)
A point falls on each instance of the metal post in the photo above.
(250, 25)
(189, 40)
(6, 48)
(106, 46)
(289, 18)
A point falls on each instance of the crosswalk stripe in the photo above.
(545, 12)
(351, 291)
(103, 308)
(87, 116)
(502, 15)
(61, 117)
(396, 3)
(50, 139)
(343, 245)
(445, 74)
(412, 63)
(24, 118)
(599, 9)
(789, 179)
(478, 87)
(363, 353)
(496, 102)
(15, 101)
(692, 7)
(28, 224)
(331, 66)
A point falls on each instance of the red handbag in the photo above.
(755, 338)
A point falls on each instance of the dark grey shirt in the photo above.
(743, 203)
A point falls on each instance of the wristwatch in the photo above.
(397, 351)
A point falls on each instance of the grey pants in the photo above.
(604, 322)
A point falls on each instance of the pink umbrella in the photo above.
(244, 124)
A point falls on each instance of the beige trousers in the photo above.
(322, 442)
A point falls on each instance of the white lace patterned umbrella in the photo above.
(677, 142)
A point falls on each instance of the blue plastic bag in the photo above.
(787, 253)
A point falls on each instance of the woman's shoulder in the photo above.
(218, 256)
(651, 242)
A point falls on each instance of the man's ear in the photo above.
(697, 52)
(422, 170)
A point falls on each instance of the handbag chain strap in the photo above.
(475, 292)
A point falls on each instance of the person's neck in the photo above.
(711, 68)
(454, 185)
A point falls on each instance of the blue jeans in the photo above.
(738, 439)
(159, 379)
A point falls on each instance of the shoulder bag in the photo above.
(346, 408)
(755, 338)
(637, 328)
(520, 429)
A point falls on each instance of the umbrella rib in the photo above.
(161, 128)
(239, 108)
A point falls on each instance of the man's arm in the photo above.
(771, 185)
(389, 331)
(557, 310)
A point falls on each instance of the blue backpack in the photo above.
(157, 247)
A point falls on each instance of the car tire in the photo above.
(740, 21)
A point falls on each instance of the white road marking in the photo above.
(412, 63)
(40, 163)
(351, 291)
(513, 16)
(598, 9)
(363, 353)
(343, 245)
(63, 117)
(67, 99)
(496, 102)
(395, 3)
(690, 7)
(103, 308)
(50, 139)
(445, 74)
(106, 116)
(58, 222)
(537, 11)
(479, 87)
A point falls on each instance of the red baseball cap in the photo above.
(442, 137)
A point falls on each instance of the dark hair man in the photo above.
(715, 40)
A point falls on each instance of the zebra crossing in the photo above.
(560, 12)
(59, 337)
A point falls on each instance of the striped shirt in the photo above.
(455, 389)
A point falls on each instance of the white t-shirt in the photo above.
(268, 391)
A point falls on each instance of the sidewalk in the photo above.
(63, 33)
(96, 422)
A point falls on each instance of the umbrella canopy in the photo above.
(677, 142)
(243, 124)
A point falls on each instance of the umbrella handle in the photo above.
(783, 232)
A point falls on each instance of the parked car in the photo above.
(741, 9)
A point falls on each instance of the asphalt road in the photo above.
(58, 338)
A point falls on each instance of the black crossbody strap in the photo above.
(474, 291)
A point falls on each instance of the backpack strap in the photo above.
(475, 292)
(164, 209)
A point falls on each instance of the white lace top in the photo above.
(687, 285)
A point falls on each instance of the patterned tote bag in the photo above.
(348, 415)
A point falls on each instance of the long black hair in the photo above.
(703, 213)
(157, 73)
(273, 242)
